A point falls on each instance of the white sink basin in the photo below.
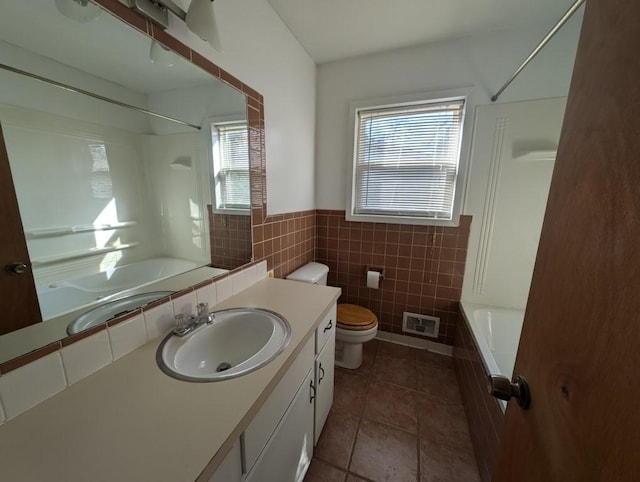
(112, 309)
(239, 341)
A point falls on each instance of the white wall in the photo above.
(260, 50)
(483, 62)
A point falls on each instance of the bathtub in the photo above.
(67, 295)
(486, 341)
(496, 331)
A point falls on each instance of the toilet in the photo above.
(355, 324)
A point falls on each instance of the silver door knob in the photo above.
(501, 387)
(17, 267)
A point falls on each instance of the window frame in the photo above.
(466, 94)
(212, 123)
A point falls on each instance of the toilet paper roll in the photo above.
(373, 280)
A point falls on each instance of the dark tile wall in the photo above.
(286, 241)
(483, 412)
(230, 239)
(423, 267)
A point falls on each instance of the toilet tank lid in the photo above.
(309, 273)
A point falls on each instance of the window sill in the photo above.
(233, 212)
(371, 218)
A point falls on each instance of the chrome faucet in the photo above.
(185, 325)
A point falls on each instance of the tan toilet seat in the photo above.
(355, 317)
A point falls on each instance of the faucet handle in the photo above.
(180, 321)
(202, 309)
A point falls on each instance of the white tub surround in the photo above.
(130, 421)
(496, 332)
(66, 295)
(512, 161)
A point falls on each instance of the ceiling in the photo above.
(336, 29)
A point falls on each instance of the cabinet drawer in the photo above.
(326, 328)
(264, 423)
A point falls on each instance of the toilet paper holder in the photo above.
(377, 269)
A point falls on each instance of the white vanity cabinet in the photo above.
(230, 470)
(278, 443)
(324, 368)
(256, 437)
(288, 453)
(324, 364)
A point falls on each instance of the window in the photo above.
(231, 167)
(406, 160)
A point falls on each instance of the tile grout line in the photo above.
(418, 418)
(371, 380)
(417, 394)
(415, 364)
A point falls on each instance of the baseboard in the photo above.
(432, 346)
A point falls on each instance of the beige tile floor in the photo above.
(399, 417)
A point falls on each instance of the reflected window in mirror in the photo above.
(231, 168)
(230, 209)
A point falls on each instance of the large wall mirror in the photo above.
(133, 181)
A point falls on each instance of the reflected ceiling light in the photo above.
(82, 11)
(199, 16)
(162, 55)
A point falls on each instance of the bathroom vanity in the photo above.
(131, 422)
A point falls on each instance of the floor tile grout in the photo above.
(355, 439)
(367, 380)
(360, 418)
(418, 477)
(415, 390)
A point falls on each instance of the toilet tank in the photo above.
(315, 273)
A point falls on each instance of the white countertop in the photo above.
(131, 422)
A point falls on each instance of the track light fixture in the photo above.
(199, 17)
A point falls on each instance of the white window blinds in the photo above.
(406, 160)
(232, 173)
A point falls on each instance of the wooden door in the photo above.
(580, 345)
(19, 306)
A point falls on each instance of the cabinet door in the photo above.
(230, 470)
(287, 455)
(266, 420)
(325, 363)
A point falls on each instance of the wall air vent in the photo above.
(422, 325)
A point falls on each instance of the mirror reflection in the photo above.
(125, 195)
